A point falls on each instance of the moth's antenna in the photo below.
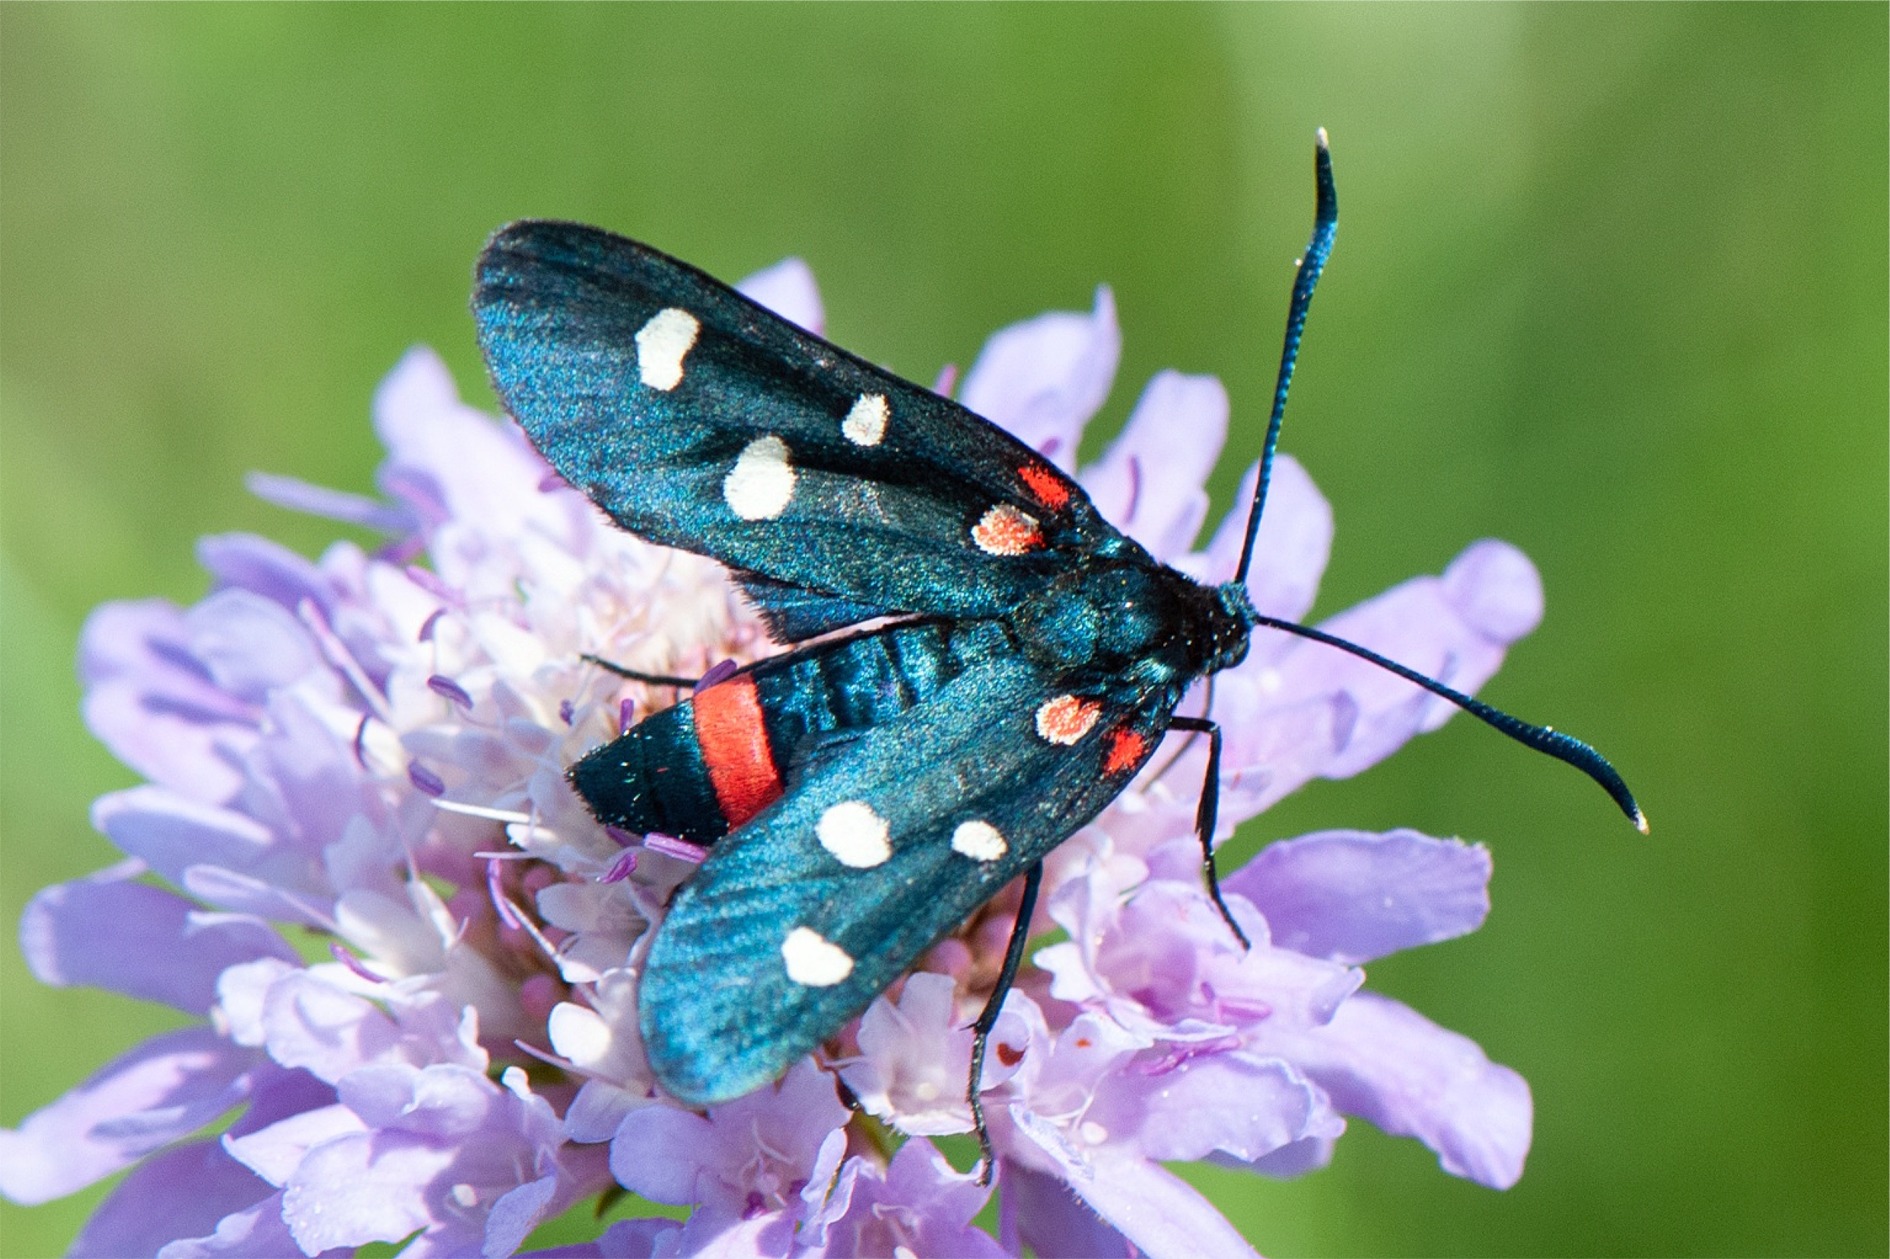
(1325, 227)
(1563, 747)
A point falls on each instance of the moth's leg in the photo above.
(654, 679)
(1208, 812)
(981, 1030)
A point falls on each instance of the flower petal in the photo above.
(788, 289)
(1044, 378)
(1353, 896)
(1043, 1213)
(1298, 710)
(181, 1193)
(1290, 554)
(1148, 483)
(150, 701)
(161, 1091)
(1156, 1210)
(657, 1153)
(372, 1187)
(1383, 1061)
(139, 940)
(275, 1151)
(254, 1230)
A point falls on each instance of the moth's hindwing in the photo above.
(883, 843)
(700, 420)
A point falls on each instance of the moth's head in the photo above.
(1231, 626)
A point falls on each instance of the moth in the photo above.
(866, 790)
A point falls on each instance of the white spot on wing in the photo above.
(854, 834)
(866, 422)
(760, 484)
(813, 960)
(980, 841)
(661, 345)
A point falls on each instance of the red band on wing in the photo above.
(1126, 750)
(1047, 486)
(734, 743)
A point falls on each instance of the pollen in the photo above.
(854, 834)
(662, 344)
(978, 840)
(1066, 719)
(760, 484)
(814, 961)
(1004, 530)
(866, 422)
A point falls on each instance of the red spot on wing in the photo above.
(734, 743)
(1046, 486)
(1126, 750)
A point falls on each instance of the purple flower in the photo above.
(373, 751)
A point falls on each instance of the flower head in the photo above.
(367, 751)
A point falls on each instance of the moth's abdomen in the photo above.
(654, 778)
(710, 764)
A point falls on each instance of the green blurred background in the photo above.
(1611, 284)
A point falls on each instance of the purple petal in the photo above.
(1040, 1211)
(275, 1151)
(1290, 554)
(1353, 896)
(360, 1189)
(449, 461)
(139, 940)
(640, 1238)
(1495, 589)
(1148, 483)
(1298, 710)
(1043, 379)
(1235, 1103)
(267, 568)
(788, 289)
(657, 1153)
(1309, 1154)
(311, 1024)
(713, 1234)
(179, 1194)
(170, 833)
(252, 1231)
(154, 705)
(516, 1213)
(250, 645)
(319, 500)
(1156, 1210)
(918, 1204)
(444, 1101)
(1388, 1064)
(163, 1090)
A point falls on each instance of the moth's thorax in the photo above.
(1143, 620)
